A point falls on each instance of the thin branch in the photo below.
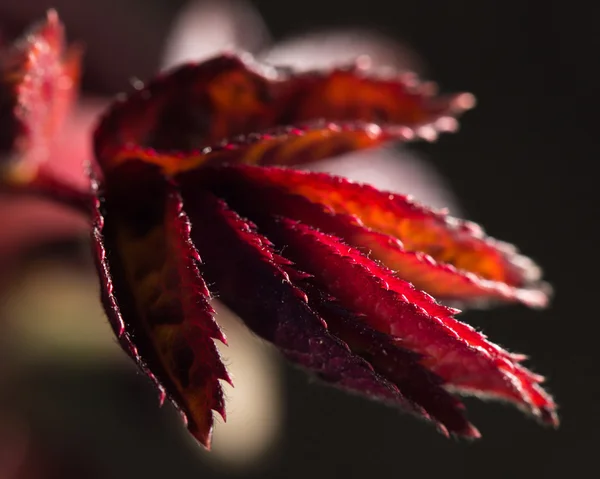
(44, 184)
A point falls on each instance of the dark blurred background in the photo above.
(522, 165)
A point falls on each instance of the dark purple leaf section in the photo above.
(394, 362)
(251, 279)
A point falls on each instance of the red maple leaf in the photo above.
(193, 200)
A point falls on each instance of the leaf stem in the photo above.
(44, 184)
